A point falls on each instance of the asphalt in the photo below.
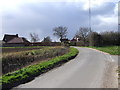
(90, 69)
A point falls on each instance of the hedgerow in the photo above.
(18, 60)
(28, 73)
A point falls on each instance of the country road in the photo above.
(90, 69)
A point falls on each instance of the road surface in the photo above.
(90, 69)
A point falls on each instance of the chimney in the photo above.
(17, 35)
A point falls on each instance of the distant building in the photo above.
(14, 40)
(75, 39)
(64, 40)
(8, 37)
(1, 43)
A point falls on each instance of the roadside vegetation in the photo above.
(28, 73)
(17, 60)
(19, 49)
(113, 50)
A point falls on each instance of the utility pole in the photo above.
(90, 15)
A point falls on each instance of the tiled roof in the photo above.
(8, 37)
(18, 40)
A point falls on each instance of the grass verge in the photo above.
(28, 73)
(113, 50)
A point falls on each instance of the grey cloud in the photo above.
(43, 17)
(106, 9)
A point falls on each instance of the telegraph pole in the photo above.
(90, 15)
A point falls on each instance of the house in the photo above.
(8, 37)
(64, 40)
(1, 43)
(15, 40)
(75, 39)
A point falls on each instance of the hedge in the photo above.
(14, 61)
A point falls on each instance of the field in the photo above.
(16, 58)
(113, 50)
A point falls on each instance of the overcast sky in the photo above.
(26, 16)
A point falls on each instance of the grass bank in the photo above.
(113, 50)
(28, 73)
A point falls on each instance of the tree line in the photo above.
(91, 38)
(84, 36)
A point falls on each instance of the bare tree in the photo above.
(60, 32)
(34, 37)
(83, 34)
(47, 39)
